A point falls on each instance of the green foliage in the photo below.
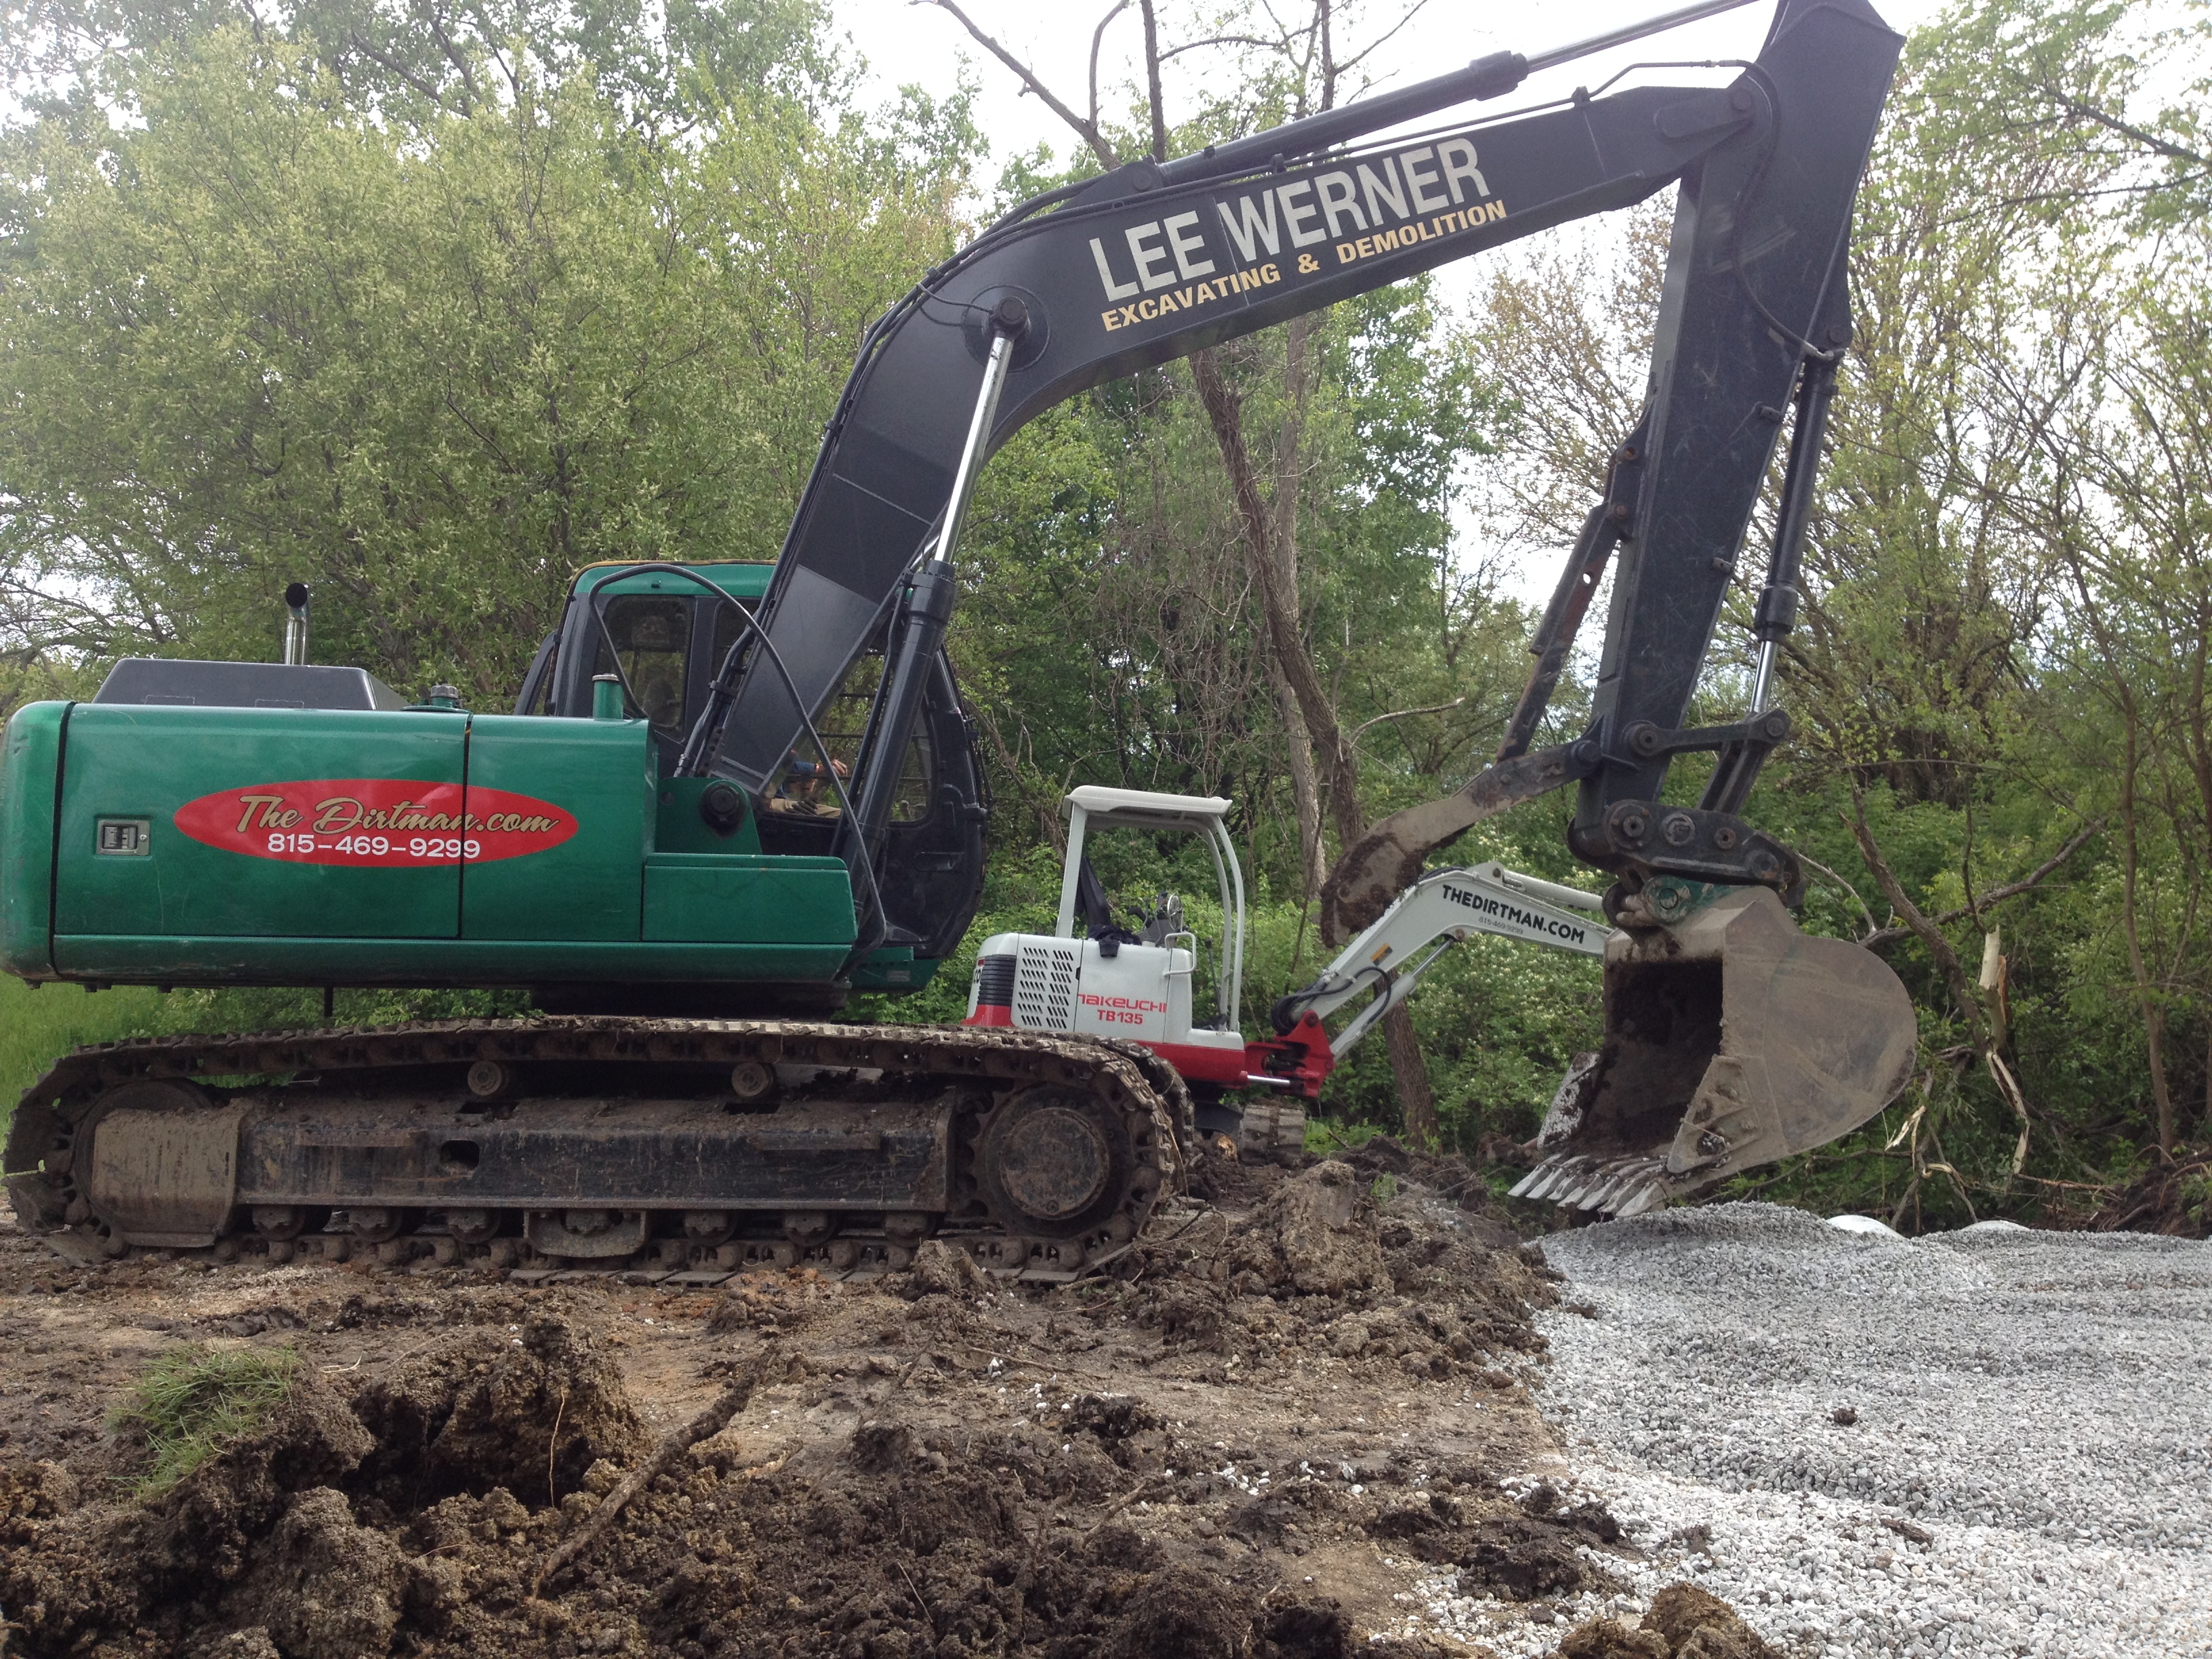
(192, 1401)
(265, 334)
(40, 1024)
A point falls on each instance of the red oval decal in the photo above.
(388, 822)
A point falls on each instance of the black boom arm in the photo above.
(1153, 262)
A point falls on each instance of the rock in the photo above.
(1865, 1224)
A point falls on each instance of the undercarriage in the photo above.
(684, 1149)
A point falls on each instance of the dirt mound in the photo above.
(1684, 1622)
(104, 1568)
(532, 1413)
(1207, 1455)
(1315, 1236)
(321, 1587)
(283, 1538)
(1391, 1279)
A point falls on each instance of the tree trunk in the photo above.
(1269, 536)
(1305, 792)
(1416, 1099)
(2154, 1016)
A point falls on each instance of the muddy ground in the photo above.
(1247, 1442)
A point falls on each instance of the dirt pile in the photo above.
(1217, 1453)
(480, 1410)
(1410, 1283)
(1684, 1622)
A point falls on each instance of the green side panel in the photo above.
(599, 772)
(136, 775)
(679, 827)
(894, 970)
(195, 960)
(749, 899)
(30, 775)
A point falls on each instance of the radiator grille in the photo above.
(1044, 987)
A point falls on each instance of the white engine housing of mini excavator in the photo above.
(1141, 992)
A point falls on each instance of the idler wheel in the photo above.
(1053, 1161)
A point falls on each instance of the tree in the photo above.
(430, 373)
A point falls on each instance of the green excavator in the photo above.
(730, 795)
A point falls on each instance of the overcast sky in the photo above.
(922, 43)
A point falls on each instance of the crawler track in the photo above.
(677, 1149)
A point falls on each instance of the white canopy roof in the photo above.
(1142, 807)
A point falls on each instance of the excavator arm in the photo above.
(1153, 261)
(1436, 912)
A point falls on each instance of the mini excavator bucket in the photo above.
(1731, 1040)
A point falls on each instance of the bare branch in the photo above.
(2135, 135)
(1277, 45)
(1097, 40)
(1402, 714)
(1368, 50)
(2035, 878)
(1873, 932)
(1153, 82)
(1085, 130)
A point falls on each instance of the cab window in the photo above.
(653, 636)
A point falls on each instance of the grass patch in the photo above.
(192, 1402)
(1325, 1138)
(38, 1026)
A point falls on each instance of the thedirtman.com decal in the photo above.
(389, 822)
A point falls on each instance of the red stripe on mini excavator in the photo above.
(384, 823)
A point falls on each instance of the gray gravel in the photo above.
(2035, 1404)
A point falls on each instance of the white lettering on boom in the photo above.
(1247, 229)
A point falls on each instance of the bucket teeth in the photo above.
(1548, 1175)
(1566, 1185)
(1649, 1196)
(1527, 1185)
(1595, 1197)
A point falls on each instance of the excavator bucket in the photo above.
(1731, 1040)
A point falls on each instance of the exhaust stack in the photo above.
(295, 624)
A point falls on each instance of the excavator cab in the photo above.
(671, 636)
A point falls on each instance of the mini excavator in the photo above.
(731, 794)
